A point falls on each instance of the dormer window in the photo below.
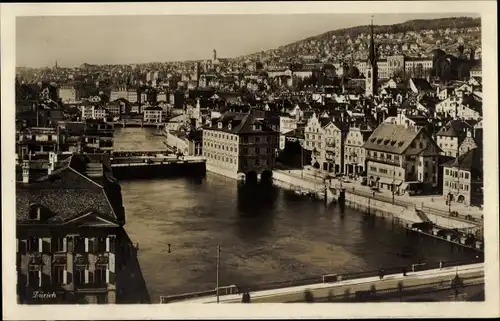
(34, 212)
(220, 125)
(229, 126)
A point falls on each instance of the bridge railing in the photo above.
(327, 278)
(393, 292)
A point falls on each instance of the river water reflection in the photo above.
(265, 235)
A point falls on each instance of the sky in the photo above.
(71, 41)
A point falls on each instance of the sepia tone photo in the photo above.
(280, 158)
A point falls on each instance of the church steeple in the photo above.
(371, 77)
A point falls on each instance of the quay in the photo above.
(339, 285)
(461, 241)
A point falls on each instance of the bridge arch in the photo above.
(251, 177)
(266, 176)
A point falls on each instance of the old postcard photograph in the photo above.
(192, 160)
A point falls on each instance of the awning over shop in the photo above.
(384, 180)
(403, 186)
(397, 182)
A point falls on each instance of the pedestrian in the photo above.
(404, 271)
(381, 273)
(440, 265)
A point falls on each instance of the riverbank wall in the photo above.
(221, 172)
(406, 215)
(173, 169)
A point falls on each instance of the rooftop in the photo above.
(391, 138)
(69, 193)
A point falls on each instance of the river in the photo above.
(265, 235)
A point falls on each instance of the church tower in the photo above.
(371, 68)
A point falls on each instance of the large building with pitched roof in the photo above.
(240, 143)
(69, 238)
(399, 156)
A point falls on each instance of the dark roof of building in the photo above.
(421, 84)
(67, 194)
(391, 138)
(474, 104)
(239, 123)
(419, 120)
(471, 160)
(455, 128)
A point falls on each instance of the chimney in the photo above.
(26, 172)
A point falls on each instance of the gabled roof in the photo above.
(391, 138)
(421, 84)
(67, 194)
(239, 123)
(455, 128)
(471, 160)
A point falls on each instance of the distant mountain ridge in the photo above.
(415, 25)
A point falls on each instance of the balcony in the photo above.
(59, 258)
(35, 259)
(383, 160)
(81, 259)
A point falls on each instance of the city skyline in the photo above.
(41, 34)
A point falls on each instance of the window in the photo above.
(101, 244)
(79, 244)
(34, 277)
(466, 175)
(33, 244)
(257, 139)
(446, 171)
(79, 275)
(100, 275)
(257, 150)
(58, 273)
(59, 244)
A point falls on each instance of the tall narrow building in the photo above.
(371, 68)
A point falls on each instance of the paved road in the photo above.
(386, 283)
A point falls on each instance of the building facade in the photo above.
(398, 157)
(153, 114)
(238, 143)
(463, 178)
(72, 248)
(354, 153)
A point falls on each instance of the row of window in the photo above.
(66, 244)
(455, 185)
(454, 173)
(218, 157)
(81, 275)
(383, 171)
(222, 147)
(383, 155)
(220, 135)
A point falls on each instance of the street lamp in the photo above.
(218, 269)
